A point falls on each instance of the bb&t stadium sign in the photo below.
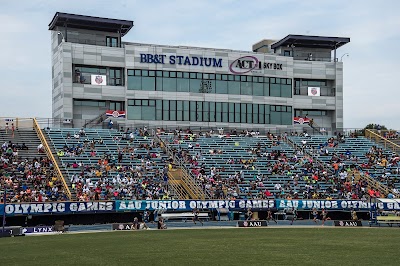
(241, 65)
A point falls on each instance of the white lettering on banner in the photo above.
(162, 205)
(213, 205)
(73, 207)
(25, 208)
(36, 208)
(60, 207)
(231, 204)
(257, 204)
(175, 205)
(192, 204)
(42, 229)
(47, 207)
(182, 205)
(148, 205)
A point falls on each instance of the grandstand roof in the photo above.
(90, 23)
(311, 41)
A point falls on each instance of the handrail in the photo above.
(177, 186)
(187, 179)
(369, 133)
(374, 183)
(94, 119)
(50, 155)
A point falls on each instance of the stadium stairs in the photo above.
(182, 182)
(389, 144)
(95, 121)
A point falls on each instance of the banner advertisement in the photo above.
(58, 208)
(187, 205)
(11, 231)
(99, 80)
(314, 91)
(348, 223)
(122, 226)
(335, 205)
(38, 230)
(252, 223)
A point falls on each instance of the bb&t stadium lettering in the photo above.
(181, 60)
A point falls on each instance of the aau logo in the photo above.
(99, 80)
(314, 91)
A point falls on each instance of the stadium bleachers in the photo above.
(104, 164)
(101, 164)
(249, 167)
(359, 151)
(27, 174)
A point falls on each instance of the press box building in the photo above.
(275, 85)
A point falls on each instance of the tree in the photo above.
(375, 126)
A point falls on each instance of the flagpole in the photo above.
(4, 211)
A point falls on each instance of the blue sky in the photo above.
(371, 93)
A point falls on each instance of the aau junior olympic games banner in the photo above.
(186, 205)
(335, 205)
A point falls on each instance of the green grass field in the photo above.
(283, 246)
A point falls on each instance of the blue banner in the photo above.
(335, 205)
(187, 205)
(58, 208)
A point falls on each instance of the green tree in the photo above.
(375, 126)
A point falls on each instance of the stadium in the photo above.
(147, 142)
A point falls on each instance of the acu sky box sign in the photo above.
(249, 63)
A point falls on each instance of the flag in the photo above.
(314, 91)
(98, 80)
(116, 114)
(300, 120)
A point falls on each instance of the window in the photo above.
(286, 53)
(172, 81)
(89, 103)
(115, 77)
(112, 41)
(117, 106)
(83, 73)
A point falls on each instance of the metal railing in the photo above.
(188, 181)
(51, 157)
(388, 144)
(100, 118)
(176, 185)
